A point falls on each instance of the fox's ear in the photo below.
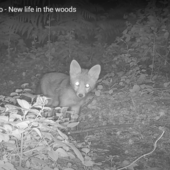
(95, 71)
(75, 68)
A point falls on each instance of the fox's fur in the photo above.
(70, 91)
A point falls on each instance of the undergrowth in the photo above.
(135, 68)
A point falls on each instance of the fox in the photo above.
(70, 90)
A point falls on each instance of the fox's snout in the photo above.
(81, 95)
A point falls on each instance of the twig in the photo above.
(155, 145)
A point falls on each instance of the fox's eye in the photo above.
(77, 83)
(87, 85)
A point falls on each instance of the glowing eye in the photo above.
(87, 85)
(77, 83)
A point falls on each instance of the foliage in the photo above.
(28, 138)
(86, 24)
(25, 132)
(143, 49)
(37, 24)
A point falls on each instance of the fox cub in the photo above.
(69, 91)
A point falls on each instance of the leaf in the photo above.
(59, 126)
(58, 144)
(77, 152)
(2, 97)
(166, 84)
(53, 155)
(47, 135)
(24, 104)
(85, 150)
(10, 146)
(56, 168)
(37, 161)
(151, 66)
(4, 119)
(61, 152)
(38, 131)
(13, 94)
(7, 166)
(99, 87)
(11, 99)
(127, 81)
(18, 90)
(88, 163)
(154, 77)
(136, 88)
(24, 85)
(29, 91)
(73, 124)
(40, 101)
(74, 116)
(35, 112)
(21, 168)
(141, 79)
(121, 83)
(4, 137)
(22, 125)
(46, 168)
(110, 91)
(71, 155)
(29, 95)
(14, 116)
(64, 110)
(17, 134)
(166, 35)
(7, 128)
(64, 136)
(10, 106)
